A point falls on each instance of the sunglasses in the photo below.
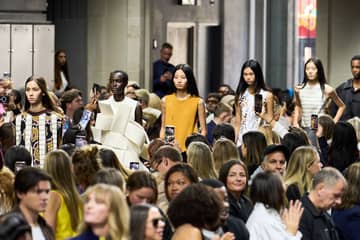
(156, 221)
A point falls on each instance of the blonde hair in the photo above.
(200, 158)
(58, 166)
(297, 170)
(119, 216)
(355, 122)
(270, 136)
(223, 151)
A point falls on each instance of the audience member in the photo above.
(343, 149)
(13, 226)
(109, 176)
(235, 177)
(270, 218)
(110, 160)
(17, 157)
(327, 188)
(222, 114)
(346, 214)
(146, 222)
(225, 130)
(304, 163)
(223, 151)
(86, 163)
(177, 179)
(228, 223)
(71, 100)
(63, 211)
(106, 214)
(199, 156)
(141, 188)
(32, 190)
(252, 149)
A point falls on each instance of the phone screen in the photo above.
(134, 165)
(314, 121)
(169, 134)
(258, 103)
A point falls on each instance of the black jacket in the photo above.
(240, 208)
(316, 224)
(237, 227)
(45, 228)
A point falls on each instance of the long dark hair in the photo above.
(192, 88)
(59, 68)
(46, 100)
(259, 78)
(320, 73)
(343, 149)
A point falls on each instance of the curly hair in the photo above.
(204, 203)
(86, 163)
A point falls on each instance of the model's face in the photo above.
(180, 80)
(61, 57)
(155, 224)
(355, 69)
(176, 183)
(329, 197)
(236, 179)
(33, 92)
(275, 162)
(117, 83)
(141, 196)
(311, 71)
(165, 54)
(315, 166)
(96, 211)
(249, 76)
(36, 199)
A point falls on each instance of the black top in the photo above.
(293, 192)
(351, 99)
(240, 208)
(316, 224)
(237, 227)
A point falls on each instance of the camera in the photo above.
(4, 99)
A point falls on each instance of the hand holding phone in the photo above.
(169, 133)
(314, 121)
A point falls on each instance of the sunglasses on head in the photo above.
(156, 221)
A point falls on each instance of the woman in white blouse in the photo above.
(270, 219)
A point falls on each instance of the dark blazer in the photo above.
(88, 235)
(347, 222)
(316, 224)
(240, 208)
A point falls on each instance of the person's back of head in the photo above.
(169, 152)
(109, 176)
(224, 130)
(196, 137)
(17, 157)
(267, 188)
(293, 140)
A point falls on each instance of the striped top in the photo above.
(312, 99)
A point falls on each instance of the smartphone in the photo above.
(19, 166)
(314, 121)
(169, 133)
(134, 166)
(80, 140)
(258, 103)
(85, 118)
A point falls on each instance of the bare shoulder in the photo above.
(329, 89)
(186, 231)
(201, 101)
